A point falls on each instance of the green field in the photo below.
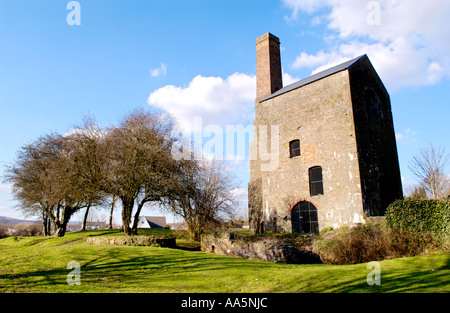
(39, 264)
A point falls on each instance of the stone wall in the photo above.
(320, 115)
(375, 136)
(132, 241)
(267, 249)
(254, 206)
(345, 126)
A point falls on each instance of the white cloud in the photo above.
(288, 79)
(407, 136)
(239, 193)
(409, 47)
(308, 6)
(162, 70)
(321, 58)
(214, 99)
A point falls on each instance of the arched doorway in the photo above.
(304, 218)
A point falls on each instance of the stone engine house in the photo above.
(331, 142)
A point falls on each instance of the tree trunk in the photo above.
(127, 209)
(61, 225)
(193, 228)
(46, 224)
(49, 226)
(195, 233)
(83, 228)
(113, 203)
(136, 218)
(60, 229)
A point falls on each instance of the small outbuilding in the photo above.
(152, 222)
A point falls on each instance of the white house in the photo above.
(152, 222)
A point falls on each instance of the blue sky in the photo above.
(197, 59)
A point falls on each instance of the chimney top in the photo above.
(268, 66)
(268, 36)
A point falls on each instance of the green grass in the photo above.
(38, 264)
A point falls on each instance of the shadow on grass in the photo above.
(150, 269)
(120, 267)
(409, 278)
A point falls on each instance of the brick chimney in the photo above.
(268, 66)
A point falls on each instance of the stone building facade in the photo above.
(324, 148)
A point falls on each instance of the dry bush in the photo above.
(403, 244)
(3, 231)
(28, 229)
(374, 242)
(354, 245)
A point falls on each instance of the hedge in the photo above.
(420, 216)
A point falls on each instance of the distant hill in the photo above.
(11, 220)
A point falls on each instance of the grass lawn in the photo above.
(39, 264)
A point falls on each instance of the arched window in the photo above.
(294, 148)
(315, 181)
(304, 218)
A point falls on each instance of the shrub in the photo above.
(374, 242)
(402, 244)
(359, 244)
(28, 229)
(420, 217)
(3, 231)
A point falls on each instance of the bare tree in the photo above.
(202, 194)
(139, 161)
(57, 176)
(89, 152)
(31, 174)
(418, 193)
(429, 167)
(447, 192)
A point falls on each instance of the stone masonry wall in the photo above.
(267, 249)
(377, 148)
(321, 116)
(132, 241)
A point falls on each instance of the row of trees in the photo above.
(57, 175)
